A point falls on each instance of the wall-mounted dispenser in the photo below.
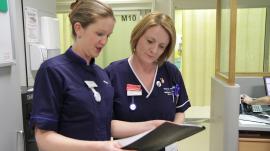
(49, 45)
(50, 36)
(38, 54)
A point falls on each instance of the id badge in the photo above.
(134, 90)
(92, 85)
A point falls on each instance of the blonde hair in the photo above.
(150, 20)
(86, 12)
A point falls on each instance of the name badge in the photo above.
(91, 84)
(134, 90)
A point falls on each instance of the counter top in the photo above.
(252, 123)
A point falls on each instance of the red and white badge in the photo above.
(134, 90)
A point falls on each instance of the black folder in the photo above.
(158, 138)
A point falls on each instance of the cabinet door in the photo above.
(254, 144)
(10, 98)
(10, 111)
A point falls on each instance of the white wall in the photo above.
(10, 103)
(165, 7)
(252, 86)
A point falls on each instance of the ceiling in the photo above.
(211, 4)
(193, 4)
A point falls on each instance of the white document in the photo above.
(126, 141)
(31, 24)
(250, 123)
(253, 119)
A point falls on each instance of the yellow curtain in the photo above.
(66, 39)
(250, 39)
(198, 30)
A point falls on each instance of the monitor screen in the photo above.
(267, 85)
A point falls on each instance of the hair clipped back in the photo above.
(150, 20)
(86, 12)
(74, 4)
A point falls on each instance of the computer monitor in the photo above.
(267, 85)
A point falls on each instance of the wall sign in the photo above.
(31, 25)
(6, 51)
(129, 17)
(3, 6)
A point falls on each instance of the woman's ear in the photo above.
(78, 29)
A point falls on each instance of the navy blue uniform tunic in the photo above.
(162, 102)
(65, 104)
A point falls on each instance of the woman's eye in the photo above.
(149, 41)
(162, 47)
(100, 34)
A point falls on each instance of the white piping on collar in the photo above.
(153, 82)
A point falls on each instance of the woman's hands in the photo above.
(52, 141)
(122, 129)
(110, 146)
(156, 123)
(246, 99)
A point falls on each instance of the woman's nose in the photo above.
(103, 41)
(154, 49)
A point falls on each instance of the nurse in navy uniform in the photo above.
(148, 89)
(72, 104)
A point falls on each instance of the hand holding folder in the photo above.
(166, 134)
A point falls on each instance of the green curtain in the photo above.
(118, 46)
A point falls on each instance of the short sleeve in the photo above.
(47, 99)
(183, 102)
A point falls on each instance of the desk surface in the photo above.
(252, 123)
